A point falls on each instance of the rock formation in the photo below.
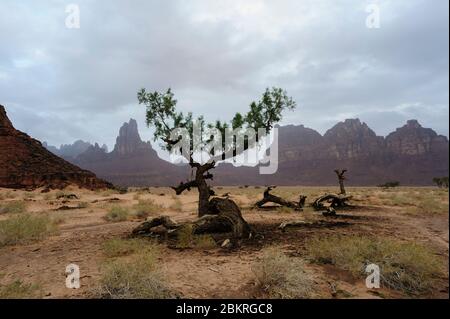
(412, 155)
(133, 162)
(26, 163)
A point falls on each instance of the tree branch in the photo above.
(184, 186)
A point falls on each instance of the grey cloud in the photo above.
(64, 84)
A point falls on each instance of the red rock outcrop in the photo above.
(25, 163)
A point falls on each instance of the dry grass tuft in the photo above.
(117, 214)
(145, 208)
(13, 207)
(20, 290)
(204, 242)
(407, 267)
(278, 276)
(134, 277)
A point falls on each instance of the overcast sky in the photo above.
(60, 84)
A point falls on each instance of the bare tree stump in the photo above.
(269, 198)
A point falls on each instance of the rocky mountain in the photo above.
(412, 155)
(132, 161)
(71, 151)
(26, 163)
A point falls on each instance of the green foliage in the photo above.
(161, 114)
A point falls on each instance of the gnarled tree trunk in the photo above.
(224, 219)
(204, 191)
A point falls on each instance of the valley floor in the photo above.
(414, 216)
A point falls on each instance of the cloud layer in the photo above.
(61, 84)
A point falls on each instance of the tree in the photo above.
(441, 182)
(341, 179)
(174, 128)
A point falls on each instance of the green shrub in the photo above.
(24, 228)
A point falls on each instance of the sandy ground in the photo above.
(216, 273)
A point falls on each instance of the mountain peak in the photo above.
(5, 123)
(25, 163)
(413, 124)
(129, 141)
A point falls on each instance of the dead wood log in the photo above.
(224, 217)
(270, 198)
(334, 201)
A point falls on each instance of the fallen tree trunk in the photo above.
(334, 201)
(224, 218)
(269, 198)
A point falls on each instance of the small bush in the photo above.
(278, 276)
(13, 207)
(117, 214)
(144, 208)
(407, 267)
(184, 236)
(204, 242)
(25, 228)
(20, 290)
(124, 247)
(137, 277)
